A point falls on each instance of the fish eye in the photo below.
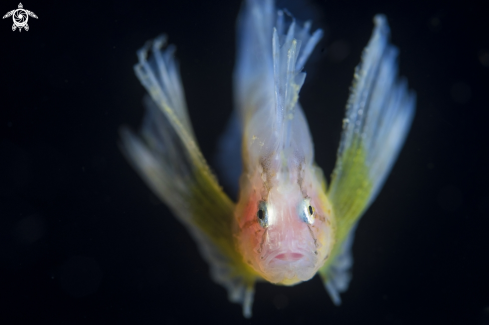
(306, 211)
(262, 214)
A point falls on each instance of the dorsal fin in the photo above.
(291, 46)
(272, 50)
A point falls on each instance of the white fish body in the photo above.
(286, 225)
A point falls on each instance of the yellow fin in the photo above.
(378, 117)
(168, 158)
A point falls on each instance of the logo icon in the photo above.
(20, 17)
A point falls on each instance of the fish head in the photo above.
(284, 227)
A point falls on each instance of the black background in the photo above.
(84, 241)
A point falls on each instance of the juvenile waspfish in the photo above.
(287, 224)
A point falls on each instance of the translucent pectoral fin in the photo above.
(167, 157)
(378, 117)
(336, 276)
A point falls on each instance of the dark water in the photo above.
(83, 240)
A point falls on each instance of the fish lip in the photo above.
(289, 256)
(285, 257)
(278, 266)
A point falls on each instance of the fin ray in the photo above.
(272, 49)
(379, 113)
(167, 157)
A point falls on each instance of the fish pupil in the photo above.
(260, 214)
(310, 210)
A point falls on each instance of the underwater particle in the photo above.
(450, 198)
(80, 276)
(460, 92)
(280, 301)
(484, 57)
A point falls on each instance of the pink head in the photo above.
(284, 230)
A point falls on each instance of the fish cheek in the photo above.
(246, 211)
(249, 230)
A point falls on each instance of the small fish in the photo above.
(287, 224)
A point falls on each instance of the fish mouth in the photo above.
(290, 266)
(289, 256)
